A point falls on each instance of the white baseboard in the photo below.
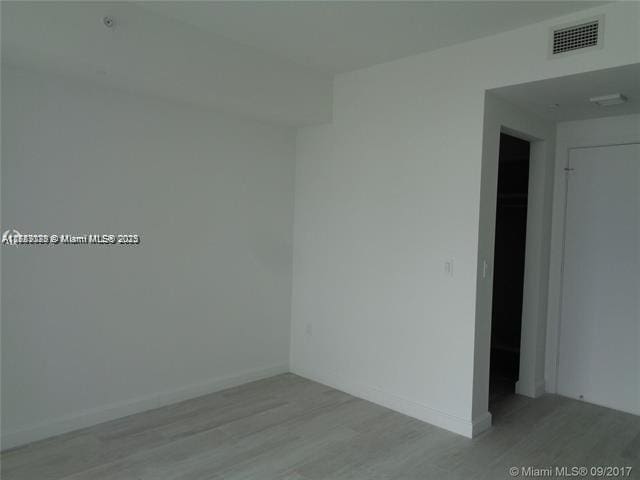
(481, 423)
(540, 388)
(412, 408)
(537, 391)
(93, 416)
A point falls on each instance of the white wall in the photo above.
(387, 193)
(581, 133)
(91, 333)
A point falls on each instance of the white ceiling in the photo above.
(156, 56)
(272, 61)
(338, 36)
(571, 94)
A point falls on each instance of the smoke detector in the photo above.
(108, 21)
(609, 100)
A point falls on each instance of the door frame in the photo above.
(531, 375)
(502, 117)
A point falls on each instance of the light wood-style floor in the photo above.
(289, 428)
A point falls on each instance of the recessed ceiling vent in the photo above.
(576, 37)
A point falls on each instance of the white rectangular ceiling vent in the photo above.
(576, 37)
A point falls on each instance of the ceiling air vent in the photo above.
(576, 37)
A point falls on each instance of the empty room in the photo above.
(319, 240)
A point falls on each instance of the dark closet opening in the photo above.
(508, 274)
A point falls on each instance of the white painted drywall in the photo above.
(390, 191)
(92, 333)
(581, 133)
(499, 116)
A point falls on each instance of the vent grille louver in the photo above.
(576, 37)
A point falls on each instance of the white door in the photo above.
(599, 354)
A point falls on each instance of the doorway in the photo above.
(509, 265)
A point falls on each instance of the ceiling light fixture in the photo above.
(609, 100)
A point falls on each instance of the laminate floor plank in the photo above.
(289, 428)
